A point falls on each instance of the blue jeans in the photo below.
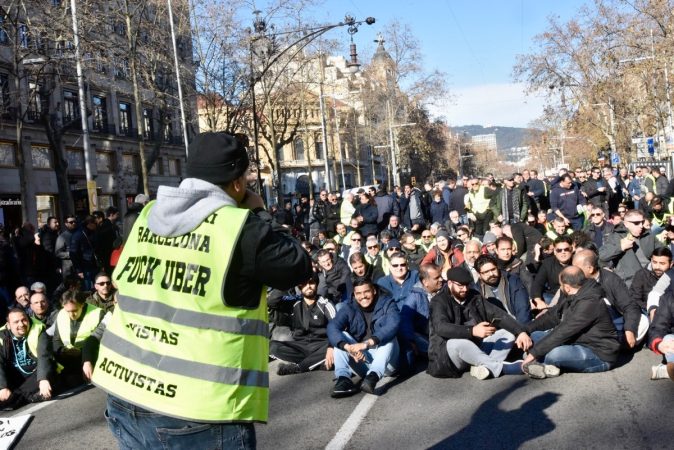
(573, 357)
(382, 360)
(137, 428)
(421, 341)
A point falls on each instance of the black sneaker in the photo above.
(288, 369)
(344, 387)
(369, 383)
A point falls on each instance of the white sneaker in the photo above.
(659, 372)
(551, 371)
(480, 372)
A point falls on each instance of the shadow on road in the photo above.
(492, 427)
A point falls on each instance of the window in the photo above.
(7, 154)
(100, 113)
(168, 129)
(46, 207)
(299, 150)
(99, 64)
(104, 162)
(280, 154)
(34, 101)
(157, 168)
(319, 147)
(75, 159)
(130, 164)
(122, 68)
(4, 38)
(4, 93)
(41, 157)
(125, 119)
(148, 121)
(105, 201)
(71, 110)
(24, 35)
(174, 167)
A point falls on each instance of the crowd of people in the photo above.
(526, 275)
(56, 295)
(530, 275)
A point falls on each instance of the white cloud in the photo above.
(490, 104)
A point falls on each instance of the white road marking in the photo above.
(63, 395)
(351, 425)
(36, 407)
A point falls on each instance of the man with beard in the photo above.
(309, 346)
(645, 279)
(581, 336)
(629, 248)
(508, 262)
(546, 282)
(364, 337)
(471, 251)
(468, 332)
(505, 289)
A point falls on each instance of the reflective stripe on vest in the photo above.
(655, 185)
(91, 319)
(172, 344)
(478, 201)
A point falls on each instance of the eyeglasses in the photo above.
(597, 214)
(563, 249)
(103, 283)
(370, 247)
(399, 265)
(637, 223)
(356, 239)
(394, 248)
(427, 236)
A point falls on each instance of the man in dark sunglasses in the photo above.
(598, 228)
(546, 282)
(629, 248)
(400, 279)
(104, 293)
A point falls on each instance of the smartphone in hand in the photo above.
(495, 322)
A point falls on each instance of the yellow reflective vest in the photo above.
(90, 320)
(173, 345)
(36, 327)
(479, 203)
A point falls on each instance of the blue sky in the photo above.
(474, 42)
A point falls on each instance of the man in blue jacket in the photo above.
(400, 281)
(364, 337)
(564, 201)
(503, 289)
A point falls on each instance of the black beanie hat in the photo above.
(217, 158)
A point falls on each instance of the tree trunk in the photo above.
(55, 138)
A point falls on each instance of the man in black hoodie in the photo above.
(582, 337)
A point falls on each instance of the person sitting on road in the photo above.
(364, 337)
(505, 290)
(508, 262)
(333, 277)
(580, 334)
(374, 258)
(646, 279)
(415, 313)
(78, 332)
(471, 252)
(546, 281)
(414, 253)
(104, 293)
(628, 319)
(309, 346)
(22, 298)
(399, 283)
(42, 311)
(661, 337)
(629, 248)
(26, 365)
(468, 332)
(443, 254)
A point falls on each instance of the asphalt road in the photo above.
(613, 410)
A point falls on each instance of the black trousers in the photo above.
(306, 353)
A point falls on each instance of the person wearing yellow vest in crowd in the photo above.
(649, 183)
(478, 205)
(78, 331)
(26, 365)
(184, 357)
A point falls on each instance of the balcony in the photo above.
(127, 131)
(103, 128)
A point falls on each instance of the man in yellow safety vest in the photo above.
(187, 345)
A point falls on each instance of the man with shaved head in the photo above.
(630, 323)
(581, 336)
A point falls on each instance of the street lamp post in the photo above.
(309, 35)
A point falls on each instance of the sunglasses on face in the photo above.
(399, 265)
(596, 214)
(355, 239)
(394, 248)
(103, 283)
(563, 249)
(427, 236)
(370, 247)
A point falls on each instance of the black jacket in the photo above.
(44, 367)
(547, 277)
(578, 319)
(450, 320)
(642, 284)
(618, 295)
(663, 322)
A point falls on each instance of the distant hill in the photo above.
(506, 137)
